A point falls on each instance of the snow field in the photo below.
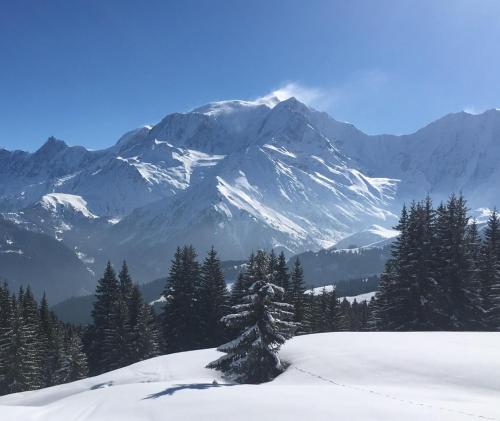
(334, 376)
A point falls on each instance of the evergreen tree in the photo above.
(272, 266)
(32, 337)
(6, 334)
(21, 365)
(282, 278)
(407, 291)
(346, 323)
(310, 323)
(333, 315)
(120, 322)
(263, 323)
(238, 290)
(31, 343)
(74, 362)
(422, 308)
(181, 321)
(321, 311)
(456, 268)
(49, 352)
(490, 273)
(103, 335)
(213, 301)
(432, 281)
(297, 291)
(364, 316)
(143, 338)
(392, 296)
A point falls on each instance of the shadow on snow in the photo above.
(192, 386)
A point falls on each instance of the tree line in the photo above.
(442, 274)
(36, 349)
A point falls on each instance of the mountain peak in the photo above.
(52, 146)
(292, 104)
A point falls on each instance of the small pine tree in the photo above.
(333, 315)
(345, 316)
(263, 322)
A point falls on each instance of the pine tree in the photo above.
(346, 322)
(74, 362)
(312, 318)
(298, 289)
(422, 307)
(456, 269)
(181, 321)
(263, 323)
(48, 349)
(490, 273)
(321, 311)
(21, 366)
(102, 346)
(120, 322)
(244, 281)
(364, 316)
(239, 289)
(6, 334)
(392, 296)
(32, 337)
(213, 301)
(143, 338)
(282, 278)
(333, 315)
(272, 267)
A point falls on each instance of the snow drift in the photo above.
(333, 376)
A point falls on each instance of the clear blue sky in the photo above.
(87, 71)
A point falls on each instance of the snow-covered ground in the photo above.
(367, 296)
(334, 376)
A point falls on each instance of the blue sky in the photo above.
(87, 71)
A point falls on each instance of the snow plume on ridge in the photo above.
(307, 95)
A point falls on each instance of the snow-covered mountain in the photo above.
(356, 376)
(242, 175)
(373, 236)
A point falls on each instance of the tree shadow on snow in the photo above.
(193, 386)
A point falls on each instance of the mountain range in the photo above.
(241, 175)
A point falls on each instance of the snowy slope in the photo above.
(374, 235)
(367, 296)
(286, 186)
(54, 201)
(334, 376)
